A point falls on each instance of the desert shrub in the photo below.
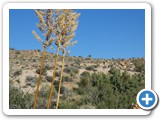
(67, 70)
(71, 70)
(17, 72)
(66, 65)
(47, 67)
(18, 81)
(43, 94)
(17, 52)
(84, 82)
(112, 70)
(28, 84)
(90, 68)
(57, 73)
(67, 79)
(89, 56)
(87, 106)
(31, 79)
(38, 50)
(49, 78)
(139, 65)
(110, 91)
(104, 67)
(140, 68)
(85, 74)
(34, 60)
(75, 70)
(67, 105)
(64, 90)
(44, 71)
(85, 78)
(19, 100)
(56, 82)
(80, 56)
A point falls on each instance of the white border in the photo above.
(8, 6)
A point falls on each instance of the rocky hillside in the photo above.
(24, 69)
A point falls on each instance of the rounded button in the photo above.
(147, 99)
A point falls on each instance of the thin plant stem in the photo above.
(60, 82)
(39, 78)
(53, 76)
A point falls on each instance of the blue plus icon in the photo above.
(147, 99)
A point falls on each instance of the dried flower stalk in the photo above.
(64, 26)
(68, 26)
(45, 21)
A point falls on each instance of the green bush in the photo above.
(85, 79)
(139, 65)
(19, 100)
(64, 90)
(85, 74)
(67, 79)
(114, 91)
(31, 79)
(90, 68)
(47, 67)
(44, 71)
(49, 78)
(67, 105)
(112, 70)
(57, 73)
(34, 60)
(43, 97)
(71, 70)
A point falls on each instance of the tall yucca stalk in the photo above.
(58, 40)
(68, 25)
(45, 26)
(53, 76)
(63, 28)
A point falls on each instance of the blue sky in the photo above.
(101, 33)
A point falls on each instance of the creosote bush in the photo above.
(116, 91)
(19, 100)
(17, 72)
(67, 79)
(90, 68)
(49, 78)
(32, 79)
(17, 52)
(43, 94)
(44, 71)
(71, 70)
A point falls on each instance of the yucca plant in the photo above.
(64, 26)
(57, 43)
(45, 26)
(68, 26)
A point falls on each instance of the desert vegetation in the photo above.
(111, 87)
(45, 80)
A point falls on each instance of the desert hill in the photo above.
(24, 70)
